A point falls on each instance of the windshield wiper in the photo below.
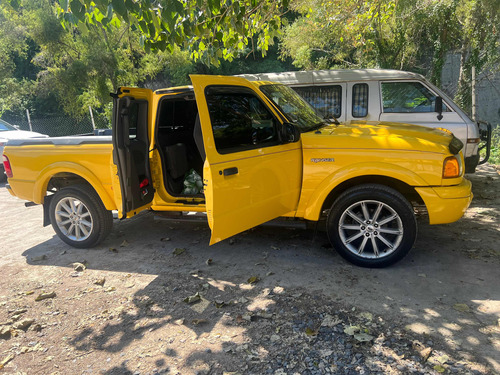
(318, 125)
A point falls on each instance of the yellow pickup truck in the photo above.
(262, 152)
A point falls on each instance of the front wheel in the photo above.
(79, 217)
(372, 225)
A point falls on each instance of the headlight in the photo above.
(452, 167)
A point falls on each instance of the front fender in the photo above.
(315, 203)
(48, 172)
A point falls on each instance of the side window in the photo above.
(408, 97)
(137, 115)
(240, 121)
(327, 100)
(360, 100)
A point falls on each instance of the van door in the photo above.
(131, 117)
(250, 174)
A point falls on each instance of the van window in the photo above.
(327, 100)
(240, 121)
(407, 97)
(360, 100)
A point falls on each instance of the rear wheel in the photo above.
(79, 217)
(372, 225)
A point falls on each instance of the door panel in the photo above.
(254, 179)
(131, 151)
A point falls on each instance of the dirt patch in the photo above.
(272, 300)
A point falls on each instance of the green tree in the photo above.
(211, 30)
(400, 34)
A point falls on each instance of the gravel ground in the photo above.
(154, 298)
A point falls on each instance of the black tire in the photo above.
(87, 208)
(365, 242)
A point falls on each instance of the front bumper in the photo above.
(446, 204)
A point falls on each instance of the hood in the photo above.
(379, 135)
(20, 134)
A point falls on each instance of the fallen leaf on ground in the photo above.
(311, 332)
(439, 368)
(366, 316)
(330, 321)
(363, 337)
(6, 360)
(178, 251)
(29, 292)
(19, 311)
(352, 330)
(219, 304)
(462, 307)
(124, 243)
(100, 281)
(110, 289)
(113, 250)
(23, 324)
(5, 332)
(253, 280)
(79, 267)
(43, 296)
(194, 298)
(198, 322)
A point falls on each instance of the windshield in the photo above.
(296, 109)
(5, 126)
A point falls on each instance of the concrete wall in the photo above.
(487, 89)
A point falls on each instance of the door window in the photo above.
(360, 100)
(408, 97)
(240, 121)
(327, 100)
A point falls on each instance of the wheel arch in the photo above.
(65, 174)
(397, 178)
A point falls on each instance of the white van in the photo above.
(385, 95)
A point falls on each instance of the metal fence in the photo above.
(57, 125)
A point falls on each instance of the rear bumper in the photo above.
(446, 204)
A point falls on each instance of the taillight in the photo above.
(6, 165)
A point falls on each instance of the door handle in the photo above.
(229, 171)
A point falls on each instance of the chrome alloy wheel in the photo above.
(74, 219)
(371, 229)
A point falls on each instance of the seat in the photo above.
(177, 167)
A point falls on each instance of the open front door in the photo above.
(131, 150)
(251, 176)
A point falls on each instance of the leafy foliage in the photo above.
(210, 30)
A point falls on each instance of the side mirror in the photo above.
(439, 107)
(291, 133)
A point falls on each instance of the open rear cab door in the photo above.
(251, 175)
(131, 118)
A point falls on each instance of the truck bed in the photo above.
(62, 141)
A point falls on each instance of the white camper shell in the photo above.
(384, 95)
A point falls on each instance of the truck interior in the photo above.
(180, 143)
